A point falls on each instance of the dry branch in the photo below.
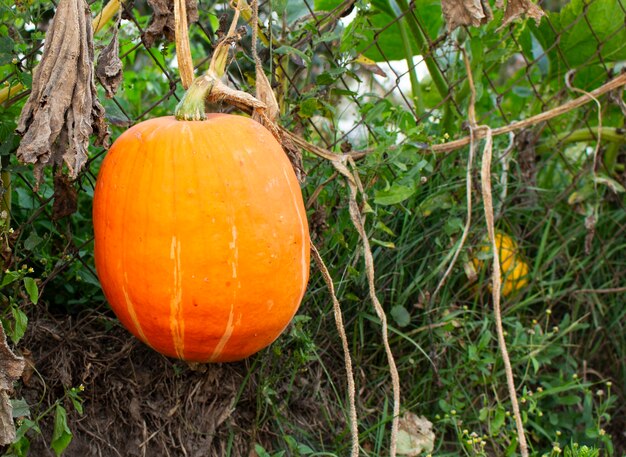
(613, 84)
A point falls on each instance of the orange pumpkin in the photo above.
(201, 237)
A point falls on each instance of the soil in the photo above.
(140, 403)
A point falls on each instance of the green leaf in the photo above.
(395, 194)
(21, 322)
(401, 316)
(8, 278)
(20, 408)
(287, 50)
(611, 183)
(385, 244)
(308, 107)
(380, 225)
(583, 41)
(326, 5)
(6, 50)
(498, 420)
(31, 289)
(61, 435)
(379, 25)
(279, 6)
(32, 241)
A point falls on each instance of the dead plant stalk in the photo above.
(484, 131)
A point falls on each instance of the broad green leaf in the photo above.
(395, 194)
(581, 41)
(31, 289)
(376, 34)
(61, 434)
(601, 32)
(279, 6)
(296, 9)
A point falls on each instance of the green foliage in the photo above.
(566, 346)
(61, 435)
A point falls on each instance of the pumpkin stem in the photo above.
(192, 106)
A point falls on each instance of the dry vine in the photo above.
(613, 84)
(354, 426)
(358, 220)
(496, 279)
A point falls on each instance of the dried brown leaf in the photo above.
(465, 12)
(478, 12)
(65, 197)
(63, 109)
(265, 93)
(518, 8)
(415, 435)
(109, 67)
(11, 367)
(162, 22)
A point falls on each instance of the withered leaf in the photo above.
(109, 66)
(265, 93)
(162, 22)
(415, 435)
(518, 8)
(465, 12)
(477, 12)
(11, 367)
(65, 197)
(63, 109)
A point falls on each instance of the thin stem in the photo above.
(422, 45)
(416, 90)
(610, 134)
